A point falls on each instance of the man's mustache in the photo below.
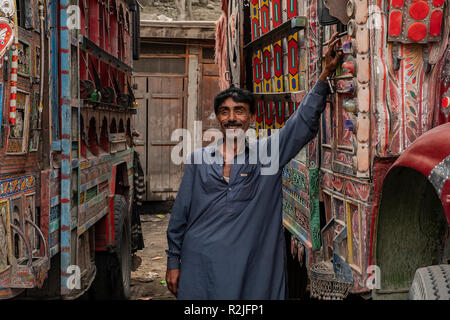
(232, 124)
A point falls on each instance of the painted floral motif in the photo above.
(407, 105)
(10, 187)
(344, 158)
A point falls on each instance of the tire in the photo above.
(431, 283)
(113, 276)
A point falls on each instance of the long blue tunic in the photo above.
(227, 239)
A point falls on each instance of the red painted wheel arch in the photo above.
(425, 154)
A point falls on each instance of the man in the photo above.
(225, 233)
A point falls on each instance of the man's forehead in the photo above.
(229, 102)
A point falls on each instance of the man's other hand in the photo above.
(172, 277)
(332, 58)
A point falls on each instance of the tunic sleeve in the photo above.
(179, 217)
(303, 126)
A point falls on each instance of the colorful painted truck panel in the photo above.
(66, 155)
(391, 87)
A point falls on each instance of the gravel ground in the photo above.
(146, 280)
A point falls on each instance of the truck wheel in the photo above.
(123, 243)
(113, 276)
(431, 283)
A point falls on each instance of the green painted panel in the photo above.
(314, 209)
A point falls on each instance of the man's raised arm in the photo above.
(304, 123)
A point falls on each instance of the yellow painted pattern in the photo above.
(272, 116)
(257, 86)
(295, 37)
(280, 78)
(254, 9)
(267, 83)
(277, 124)
(263, 3)
(349, 233)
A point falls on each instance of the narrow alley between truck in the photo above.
(148, 281)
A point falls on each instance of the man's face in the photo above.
(234, 118)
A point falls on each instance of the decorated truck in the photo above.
(66, 164)
(366, 204)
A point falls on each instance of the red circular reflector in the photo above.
(417, 31)
(435, 22)
(419, 10)
(397, 3)
(445, 102)
(438, 3)
(395, 23)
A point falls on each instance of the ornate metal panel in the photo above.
(416, 21)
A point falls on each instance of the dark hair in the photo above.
(238, 95)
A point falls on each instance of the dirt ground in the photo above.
(146, 280)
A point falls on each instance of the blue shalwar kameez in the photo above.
(227, 239)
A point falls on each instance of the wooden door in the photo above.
(208, 89)
(160, 99)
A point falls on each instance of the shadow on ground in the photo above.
(146, 281)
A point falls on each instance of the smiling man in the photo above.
(225, 234)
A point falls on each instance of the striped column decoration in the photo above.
(66, 121)
(14, 66)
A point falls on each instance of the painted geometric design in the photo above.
(286, 173)
(257, 76)
(291, 7)
(299, 180)
(268, 119)
(267, 69)
(314, 210)
(13, 186)
(279, 114)
(278, 67)
(276, 13)
(293, 62)
(254, 9)
(291, 108)
(265, 16)
(257, 88)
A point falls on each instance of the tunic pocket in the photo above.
(249, 182)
